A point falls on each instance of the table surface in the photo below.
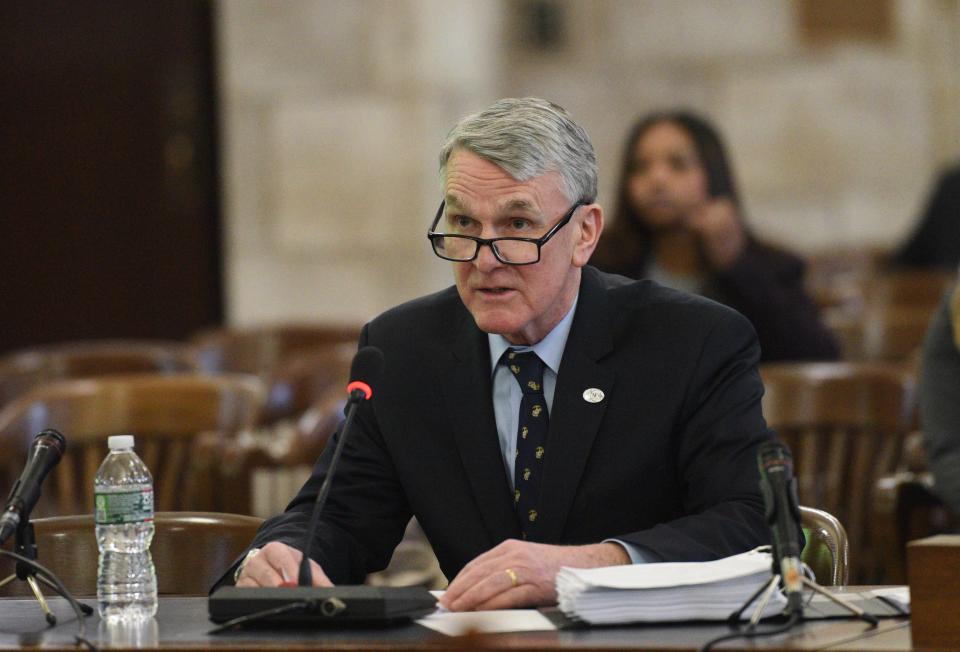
(182, 624)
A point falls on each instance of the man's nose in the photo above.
(486, 260)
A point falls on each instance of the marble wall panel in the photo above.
(344, 173)
(334, 104)
(278, 48)
(851, 131)
(708, 29)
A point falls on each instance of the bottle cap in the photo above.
(119, 441)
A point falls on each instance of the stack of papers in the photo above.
(667, 592)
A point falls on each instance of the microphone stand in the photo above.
(25, 545)
(794, 609)
(305, 575)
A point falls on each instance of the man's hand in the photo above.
(277, 564)
(720, 231)
(522, 574)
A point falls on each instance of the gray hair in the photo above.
(528, 137)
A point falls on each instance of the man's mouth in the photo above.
(495, 291)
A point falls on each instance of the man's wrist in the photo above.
(250, 555)
(616, 553)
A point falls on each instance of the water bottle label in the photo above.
(123, 507)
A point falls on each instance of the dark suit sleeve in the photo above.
(366, 510)
(940, 405)
(716, 448)
(766, 285)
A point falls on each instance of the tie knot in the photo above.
(527, 369)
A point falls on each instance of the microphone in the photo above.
(782, 511)
(366, 369)
(304, 604)
(45, 453)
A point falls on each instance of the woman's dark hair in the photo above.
(935, 240)
(624, 247)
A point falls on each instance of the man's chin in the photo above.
(499, 322)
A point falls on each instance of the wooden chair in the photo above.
(297, 361)
(22, 370)
(169, 415)
(190, 551)
(888, 318)
(845, 424)
(304, 405)
(298, 383)
(827, 550)
(906, 507)
(921, 288)
(838, 278)
(891, 333)
(279, 459)
(261, 350)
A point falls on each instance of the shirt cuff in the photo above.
(638, 554)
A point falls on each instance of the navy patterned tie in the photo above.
(527, 369)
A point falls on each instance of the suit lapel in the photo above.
(469, 404)
(575, 421)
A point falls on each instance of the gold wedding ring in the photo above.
(513, 577)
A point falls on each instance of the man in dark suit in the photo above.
(634, 439)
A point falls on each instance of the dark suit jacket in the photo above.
(667, 460)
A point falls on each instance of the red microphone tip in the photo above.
(362, 386)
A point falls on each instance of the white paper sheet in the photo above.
(487, 622)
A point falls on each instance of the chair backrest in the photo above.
(298, 383)
(845, 424)
(910, 287)
(885, 333)
(267, 467)
(190, 551)
(261, 350)
(167, 414)
(838, 278)
(23, 370)
(827, 551)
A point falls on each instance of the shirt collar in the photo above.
(549, 349)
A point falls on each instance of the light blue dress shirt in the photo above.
(507, 396)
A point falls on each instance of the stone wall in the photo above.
(333, 112)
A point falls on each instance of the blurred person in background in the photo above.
(940, 399)
(678, 220)
(935, 242)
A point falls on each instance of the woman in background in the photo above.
(678, 220)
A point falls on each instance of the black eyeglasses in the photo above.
(510, 251)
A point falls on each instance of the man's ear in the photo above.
(590, 223)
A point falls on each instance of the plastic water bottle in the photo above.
(123, 512)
